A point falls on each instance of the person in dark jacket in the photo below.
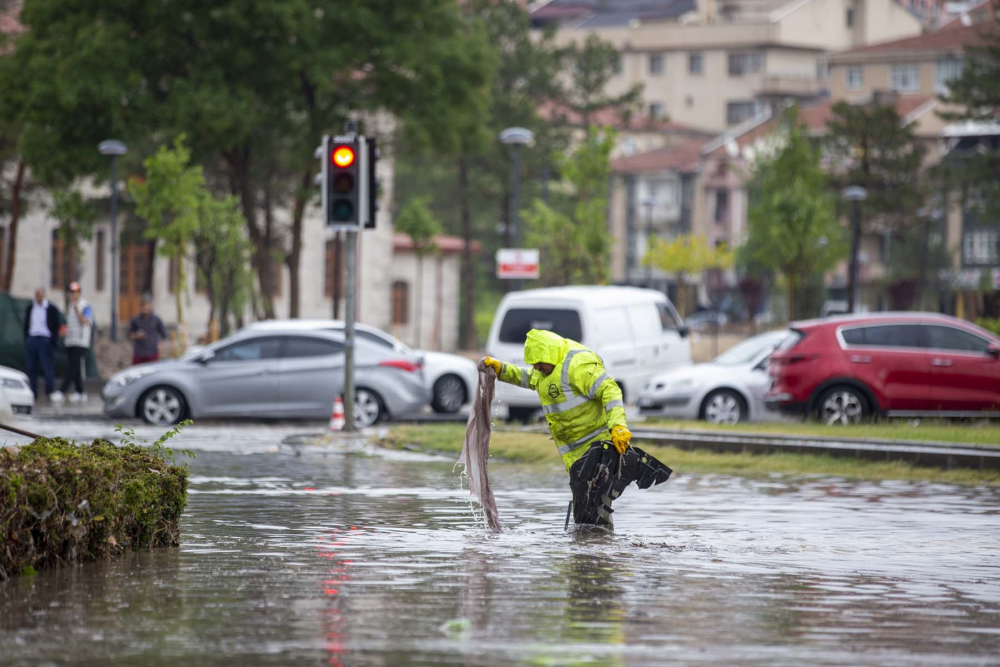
(41, 335)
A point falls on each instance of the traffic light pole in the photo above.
(350, 253)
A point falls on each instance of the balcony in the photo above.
(789, 85)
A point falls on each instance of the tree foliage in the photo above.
(792, 222)
(574, 239)
(76, 217)
(591, 66)
(684, 256)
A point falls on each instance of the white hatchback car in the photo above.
(15, 393)
(728, 390)
(451, 378)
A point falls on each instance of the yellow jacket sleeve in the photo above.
(588, 378)
(516, 375)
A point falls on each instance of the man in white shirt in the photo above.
(41, 334)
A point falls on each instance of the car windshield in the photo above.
(749, 350)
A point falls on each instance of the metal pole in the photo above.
(649, 237)
(514, 214)
(114, 248)
(852, 271)
(3, 255)
(351, 240)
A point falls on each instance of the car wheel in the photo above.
(842, 405)
(449, 394)
(368, 408)
(520, 414)
(724, 406)
(161, 406)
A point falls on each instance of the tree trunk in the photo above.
(791, 288)
(468, 328)
(294, 259)
(438, 301)
(149, 275)
(240, 165)
(15, 215)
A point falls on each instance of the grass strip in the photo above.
(538, 448)
(969, 433)
(63, 503)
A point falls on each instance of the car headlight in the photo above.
(9, 383)
(126, 378)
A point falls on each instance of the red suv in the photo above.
(844, 369)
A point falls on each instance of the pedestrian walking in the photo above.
(146, 331)
(79, 332)
(41, 335)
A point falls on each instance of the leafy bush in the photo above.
(63, 503)
(991, 325)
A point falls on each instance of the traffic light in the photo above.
(348, 180)
(343, 183)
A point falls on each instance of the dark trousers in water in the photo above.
(74, 370)
(601, 475)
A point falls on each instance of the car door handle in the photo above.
(941, 362)
(860, 359)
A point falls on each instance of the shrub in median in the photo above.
(62, 503)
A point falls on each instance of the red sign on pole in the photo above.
(517, 263)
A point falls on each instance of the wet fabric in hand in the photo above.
(476, 449)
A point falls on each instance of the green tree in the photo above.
(792, 222)
(222, 257)
(168, 198)
(684, 256)
(76, 218)
(873, 147)
(252, 83)
(574, 239)
(591, 66)
(416, 221)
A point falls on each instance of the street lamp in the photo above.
(114, 148)
(649, 203)
(854, 194)
(516, 137)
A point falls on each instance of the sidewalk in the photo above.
(92, 408)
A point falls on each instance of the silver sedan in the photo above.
(270, 374)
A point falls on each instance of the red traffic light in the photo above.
(343, 156)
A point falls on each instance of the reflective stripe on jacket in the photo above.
(580, 400)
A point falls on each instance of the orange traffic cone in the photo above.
(337, 418)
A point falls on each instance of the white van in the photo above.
(637, 332)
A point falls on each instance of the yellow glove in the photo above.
(495, 364)
(620, 437)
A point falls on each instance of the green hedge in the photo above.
(63, 503)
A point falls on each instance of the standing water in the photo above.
(341, 557)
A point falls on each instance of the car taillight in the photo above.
(402, 364)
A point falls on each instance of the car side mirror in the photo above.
(762, 364)
(683, 331)
(206, 356)
(994, 351)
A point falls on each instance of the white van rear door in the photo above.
(650, 343)
(675, 350)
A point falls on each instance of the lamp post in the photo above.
(114, 148)
(516, 137)
(649, 203)
(854, 194)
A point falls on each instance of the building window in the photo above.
(905, 78)
(855, 77)
(656, 64)
(947, 69)
(616, 64)
(99, 250)
(747, 62)
(400, 302)
(721, 205)
(822, 69)
(696, 64)
(849, 17)
(737, 112)
(980, 247)
(656, 110)
(63, 263)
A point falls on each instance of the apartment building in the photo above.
(712, 64)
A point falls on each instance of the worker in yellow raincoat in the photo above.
(586, 414)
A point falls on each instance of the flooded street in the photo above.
(347, 557)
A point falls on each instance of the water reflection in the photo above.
(348, 559)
